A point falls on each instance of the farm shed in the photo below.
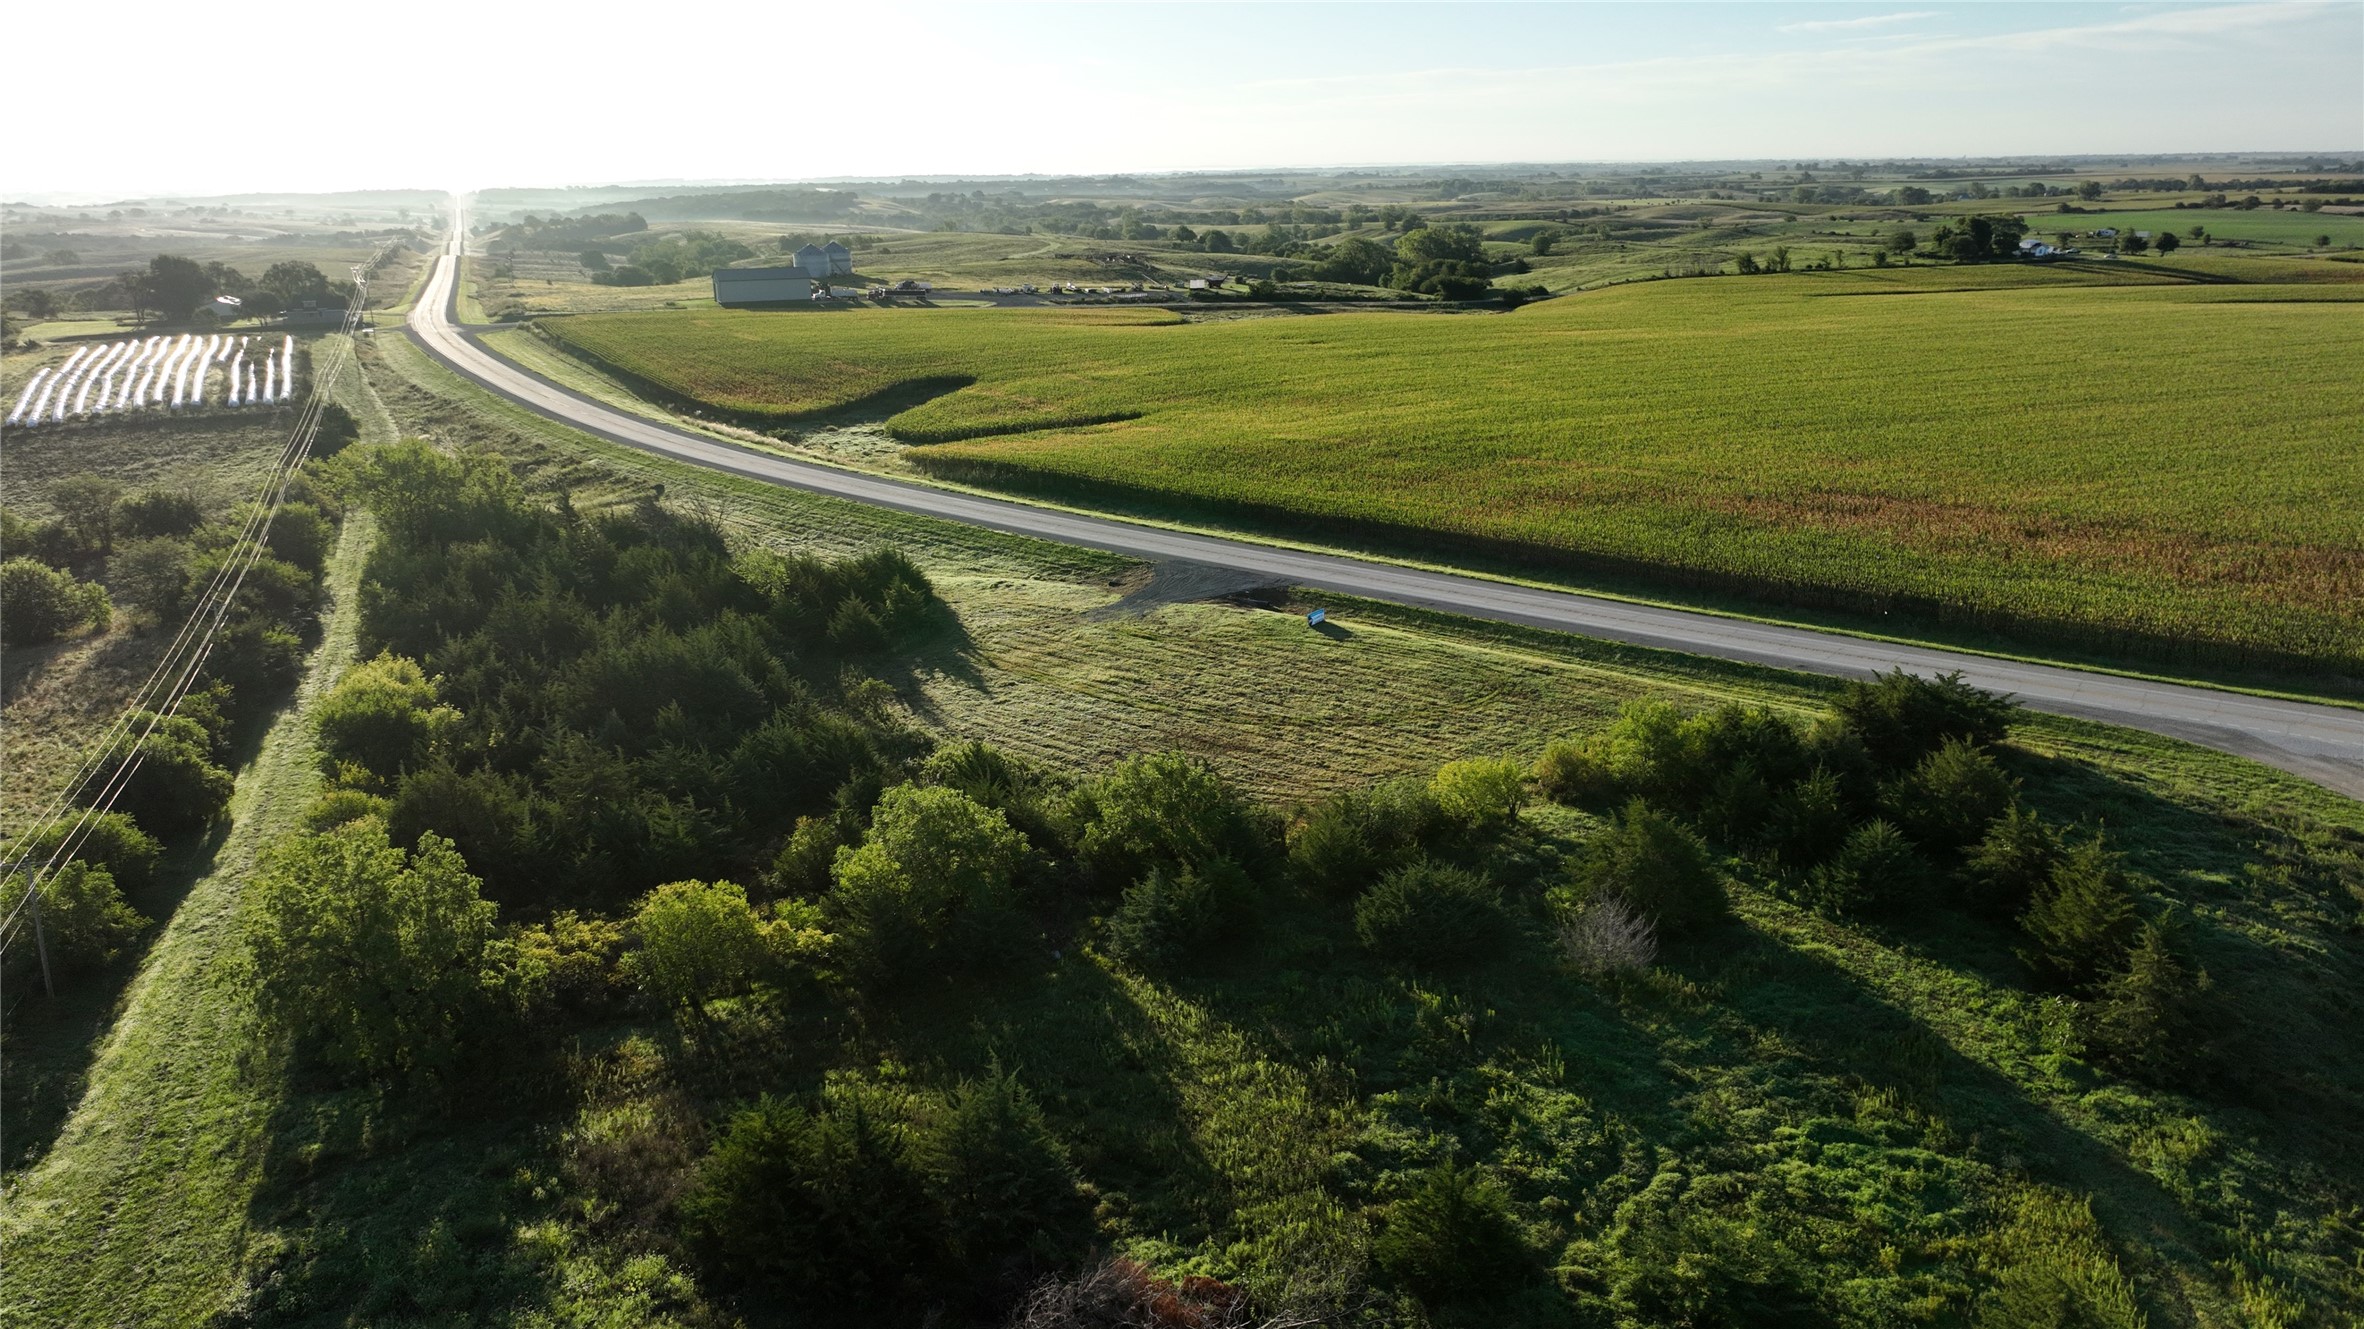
(222, 308)
(760, 286)
(813, 262)
(841, 259)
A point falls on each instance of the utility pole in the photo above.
(40, 942)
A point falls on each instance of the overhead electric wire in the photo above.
(183, 660)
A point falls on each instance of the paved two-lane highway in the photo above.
(2321, 743)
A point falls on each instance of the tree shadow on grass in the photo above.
(1105, 1076)
(1794, 996)
(53, 1042)
(390, 1210)
(947, 650)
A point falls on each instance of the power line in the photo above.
(191, 646)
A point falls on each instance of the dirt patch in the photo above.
(1181, 582)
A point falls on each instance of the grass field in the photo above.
(2027, 450)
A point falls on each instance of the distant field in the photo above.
(2288, 226)
(2101, 464)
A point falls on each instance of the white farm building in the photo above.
(821, 262)
(762, 286)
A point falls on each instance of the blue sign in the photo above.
(1315, 618)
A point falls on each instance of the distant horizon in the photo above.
(996, 90)
(2336, 160)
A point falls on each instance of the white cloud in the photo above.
(1867, 21)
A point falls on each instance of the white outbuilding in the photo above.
(762, 286)
(841, 259)
(813, 262)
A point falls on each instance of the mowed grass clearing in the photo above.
(2118, 466)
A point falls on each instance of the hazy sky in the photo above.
(150, 98)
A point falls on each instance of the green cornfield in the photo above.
(2071, 454)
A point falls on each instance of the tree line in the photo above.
(603, 767)
(156, 550)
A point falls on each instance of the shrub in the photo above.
(1166, 808)
(1003, 1182)
(698, 941)
(935, 865)
(372, 958)
(1173, 912)
(571, 963)
(856, 630)
(1577, 773)
(1656, 752)
(1481, 793)
(87, 504)
(2148, 1019)
(39, 603)
(1808, 823)
(2001, 873)
(272, 589)
(1452, 1240)
(1655, 864)
(1902, 719)
(1607, 936)
(339, 806)
(84, 920)
(1738, 805)
(492, 819)
(804, 864)
(980, 770)
(160, 512)
(336, 430)
(301, 536)
(152, 577)
(109, 840)
(1874, 871)
(821, 1210)
(1949, 799)
(382, 716)
(1431, 915)
(1652, 753)
(176, 788)
(261, 663)
(998, 781)
(2080, 923)
(1352, 839)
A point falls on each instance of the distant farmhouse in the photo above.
(762, 286)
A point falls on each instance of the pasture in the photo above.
(2021, 449)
